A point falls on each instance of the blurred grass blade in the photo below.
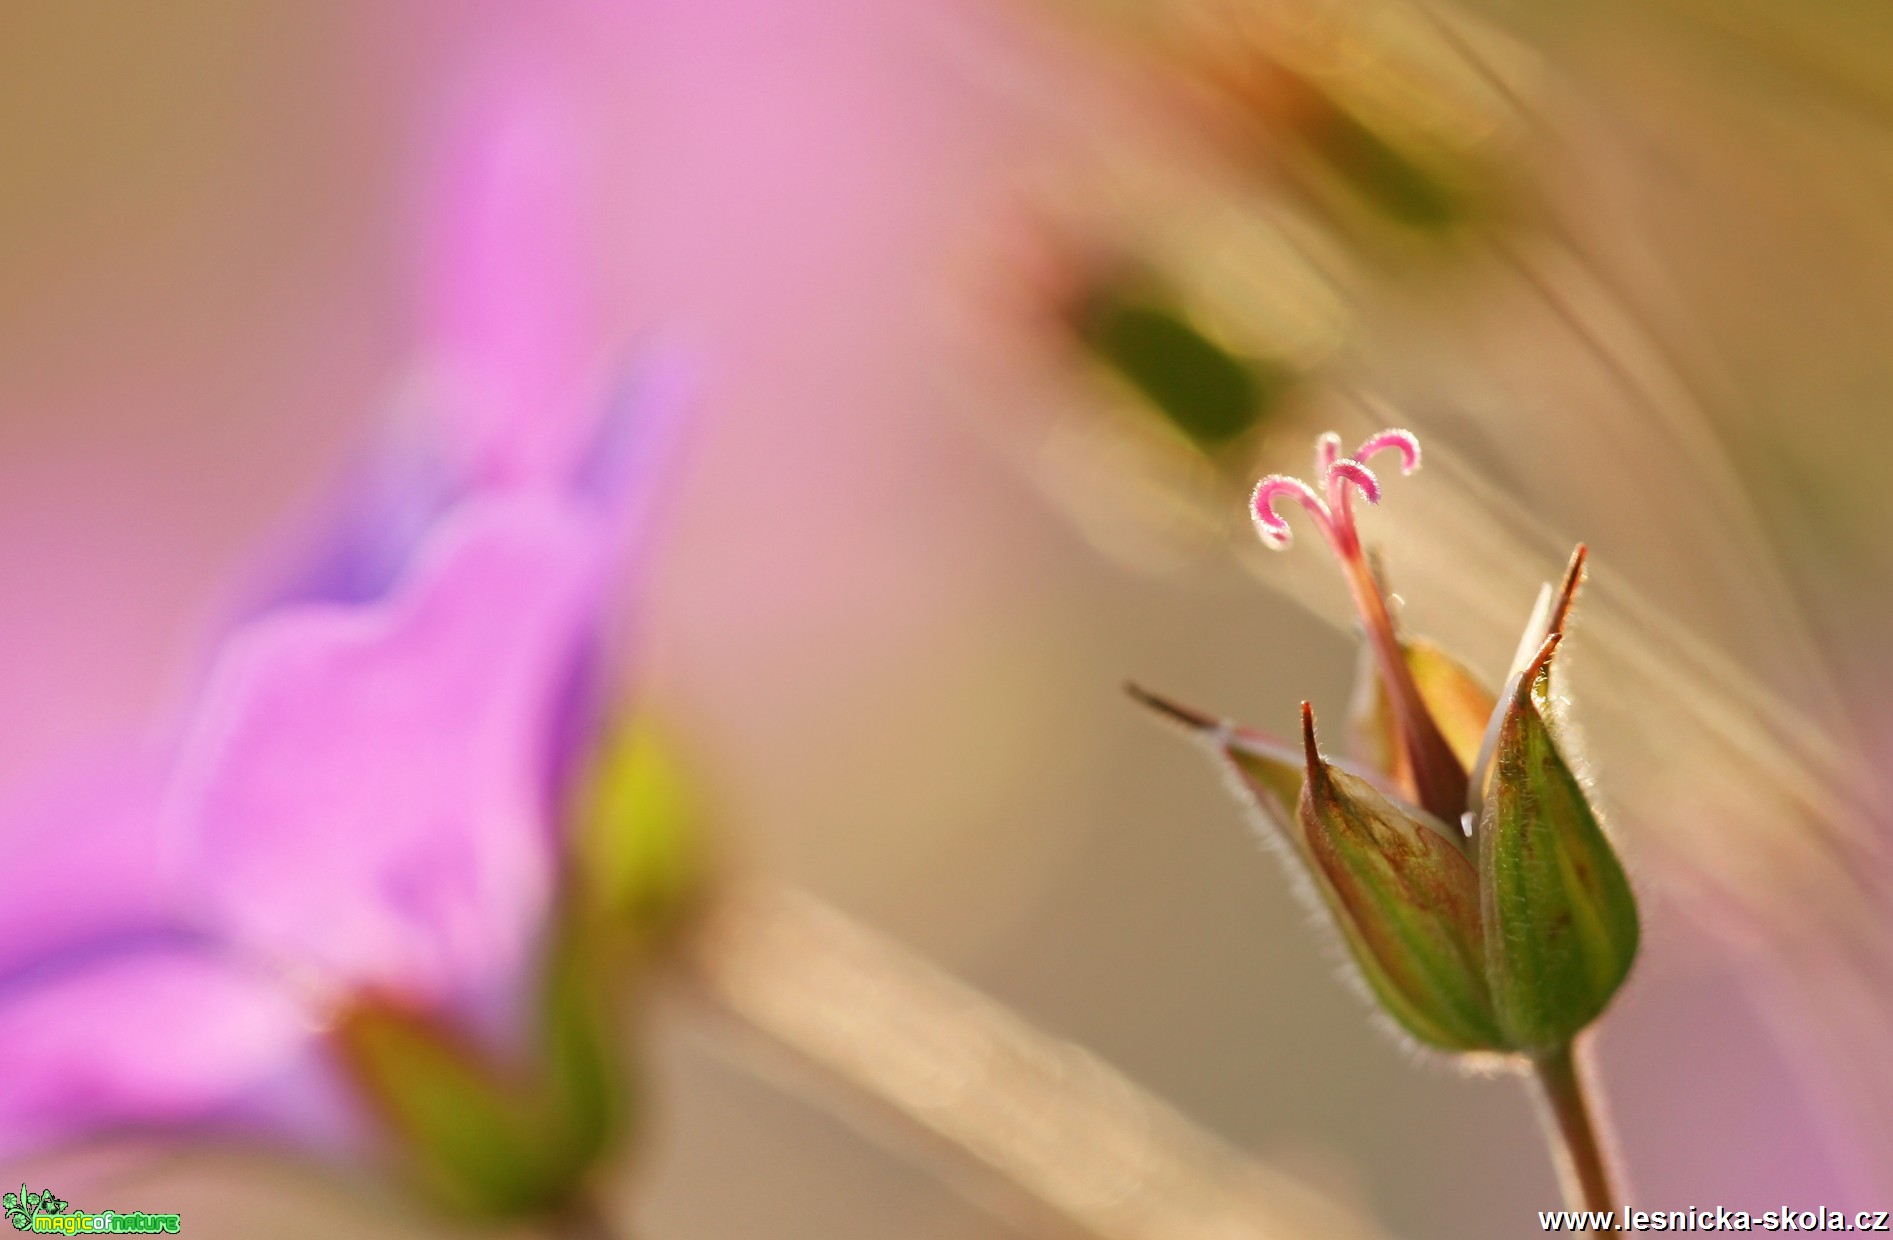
(1088, 1152)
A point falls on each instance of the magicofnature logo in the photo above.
(46, 1213)
(23, 1207)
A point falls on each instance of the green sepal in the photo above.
(474, 1136)
(514, 1136)
(639, 847)
(1270, 779)
(582, 995)
(491, 1136)
(1560, 918)
(1267, 773)
(1407, 898)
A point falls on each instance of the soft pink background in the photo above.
(897, 663)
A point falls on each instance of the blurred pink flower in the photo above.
(364, 794)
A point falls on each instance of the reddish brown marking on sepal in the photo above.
(1567, 590)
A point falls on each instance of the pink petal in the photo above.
(157, 1035)
(513, 317)
(80, 854)
(362, 796)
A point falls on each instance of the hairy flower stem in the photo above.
(1439, 781)
(1575, 1128)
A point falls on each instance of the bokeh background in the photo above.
(924, 530)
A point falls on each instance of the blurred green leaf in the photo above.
(1378, 171)
(1210, 394)
(1560, 918)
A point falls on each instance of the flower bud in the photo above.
(1512, 940)
(1407, 899)
(1560, 918)
(1397, 882)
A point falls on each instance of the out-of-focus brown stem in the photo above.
(1082, 1146)
(1574, 1127)
(584, 1218)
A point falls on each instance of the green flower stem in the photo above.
(1574, 1127)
